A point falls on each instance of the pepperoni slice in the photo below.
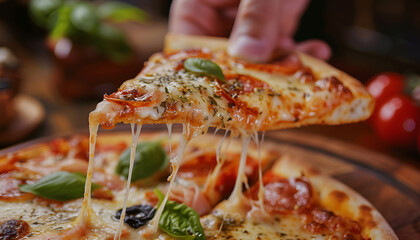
(285, 194)
(13, 229)
(133, 98)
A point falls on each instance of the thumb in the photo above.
(259, 25)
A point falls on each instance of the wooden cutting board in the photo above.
(392, 186)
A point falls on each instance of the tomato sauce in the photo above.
(288, 65)
(202, 166)
(13, 229)
(237, 85)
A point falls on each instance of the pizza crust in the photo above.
(337, 197)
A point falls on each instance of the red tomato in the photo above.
(384, 86)
(397, 121)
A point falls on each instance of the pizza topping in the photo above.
(288, 194)
(320, 221)
(223, 177)
(61, 186)
(132, 95)
(238, 84)
(192, 197)
(134, 140)
(138, 215)
(108, 180)
(132, 98)
(366, 217)
(179, 220)
(305, 76)
(187, 132)
(288, 65)
(13, 229)
(235, 200)
(150, 157)
(332, 84)
(9, 188)
(204, 66)
(189, 53)
(284, 195)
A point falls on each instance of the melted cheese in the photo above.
(175, 163)
(169, 126)
(260, 181)
(288, 227)
(86, 214)
(236, 197)
(134, 140)
(212, 177)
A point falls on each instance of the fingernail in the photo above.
(250, 49)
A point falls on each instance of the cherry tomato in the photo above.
(384, 86)
(398, 121)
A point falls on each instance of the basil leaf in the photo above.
(150, 157)
(41, 9)
(204, 66)
(61, 186)
(83, 17)
(120, 12)
(59, 23)
(179, 220)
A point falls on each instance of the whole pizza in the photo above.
(188, 184)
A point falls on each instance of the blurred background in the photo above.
(56, 65)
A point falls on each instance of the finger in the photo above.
(288, 16)
(259, 25)
(316, 48)
(283, 47)
(222, 3)
(199, 17)
(254, 32)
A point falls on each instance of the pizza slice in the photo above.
(299, 203)
(184, 84)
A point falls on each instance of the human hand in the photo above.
(260, 30)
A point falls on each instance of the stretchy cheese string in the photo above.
(87, 211)
(176, 162)
(241, 177)
(260, 180)
(212, 177)
(134, 140)
(260, 202)
(169, 126)
(236, 196)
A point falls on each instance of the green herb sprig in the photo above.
(179, 220)
(150, 157)
(204, 66)
(61, 186)
(87, 23)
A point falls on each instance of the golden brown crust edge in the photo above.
(176, 42)
(362, 104)
(337, 197)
